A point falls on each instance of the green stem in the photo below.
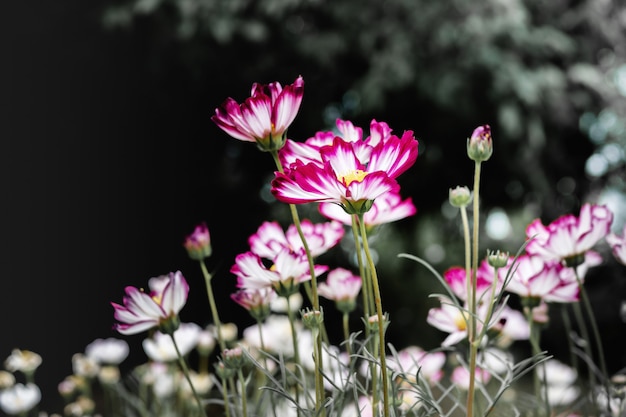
(294, 337)
(346, 333)
(216, 318)
(366, 287)
(319, 381)
(536, 350)
(183, 367)
(244, 401)
(596, 333)
(473, 343)
(379, 313)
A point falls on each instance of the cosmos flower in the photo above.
(569, 237)
(343, 287)
(533, 277)
(289, 269)
(263, 117)
(346, 180)
(160, 347)
(19, 399)
(107, 351)
(142, 311)
(270, 238)
(257, 301)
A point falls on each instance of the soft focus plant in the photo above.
(287, 363)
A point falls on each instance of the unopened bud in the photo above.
(460, 196)
(497, 259)
(479, 145)
(312, 319)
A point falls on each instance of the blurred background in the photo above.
(109, 158)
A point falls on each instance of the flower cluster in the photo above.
(286, 364)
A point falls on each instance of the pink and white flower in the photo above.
(569, 237)
(257, 301)
(414, 359)
(344, 179)
(264, 117)
(290, 268)
(461, 376)
(343, 287)
(618, 245)
(270, 238)
(142, 311)
(533, 277)
(387, 208)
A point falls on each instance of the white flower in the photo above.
(84, 365)
(22, 360)
(161, 349)
(110, 351)
(19, 398)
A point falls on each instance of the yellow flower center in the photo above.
(157, 299)
(356, 175)
(461, 320)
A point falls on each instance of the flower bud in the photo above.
(460, 196)
(497, 259)
(198, 244)
(223, 371)
(479, 145)
(312, 319)
(233, 358)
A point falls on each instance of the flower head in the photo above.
(270, 238)
(479, 145)
(20, 398)
(344, 179)
(257, 300)
(159, 308)
(264, 117)
(160, 347)
(288, 271)
(343, 287)
(108, 351)
(534, 278)
(569, 237)
(22, 360)
(198, 243)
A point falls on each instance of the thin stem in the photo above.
(183, 367)
(216, 318)
(294, 337)
(346, 333)
(473, 344)
(535, 335)
(596, 332)
(379, 313)
(244, 401)
(319, 382)
(366, 287)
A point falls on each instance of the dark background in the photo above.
(109, 159)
